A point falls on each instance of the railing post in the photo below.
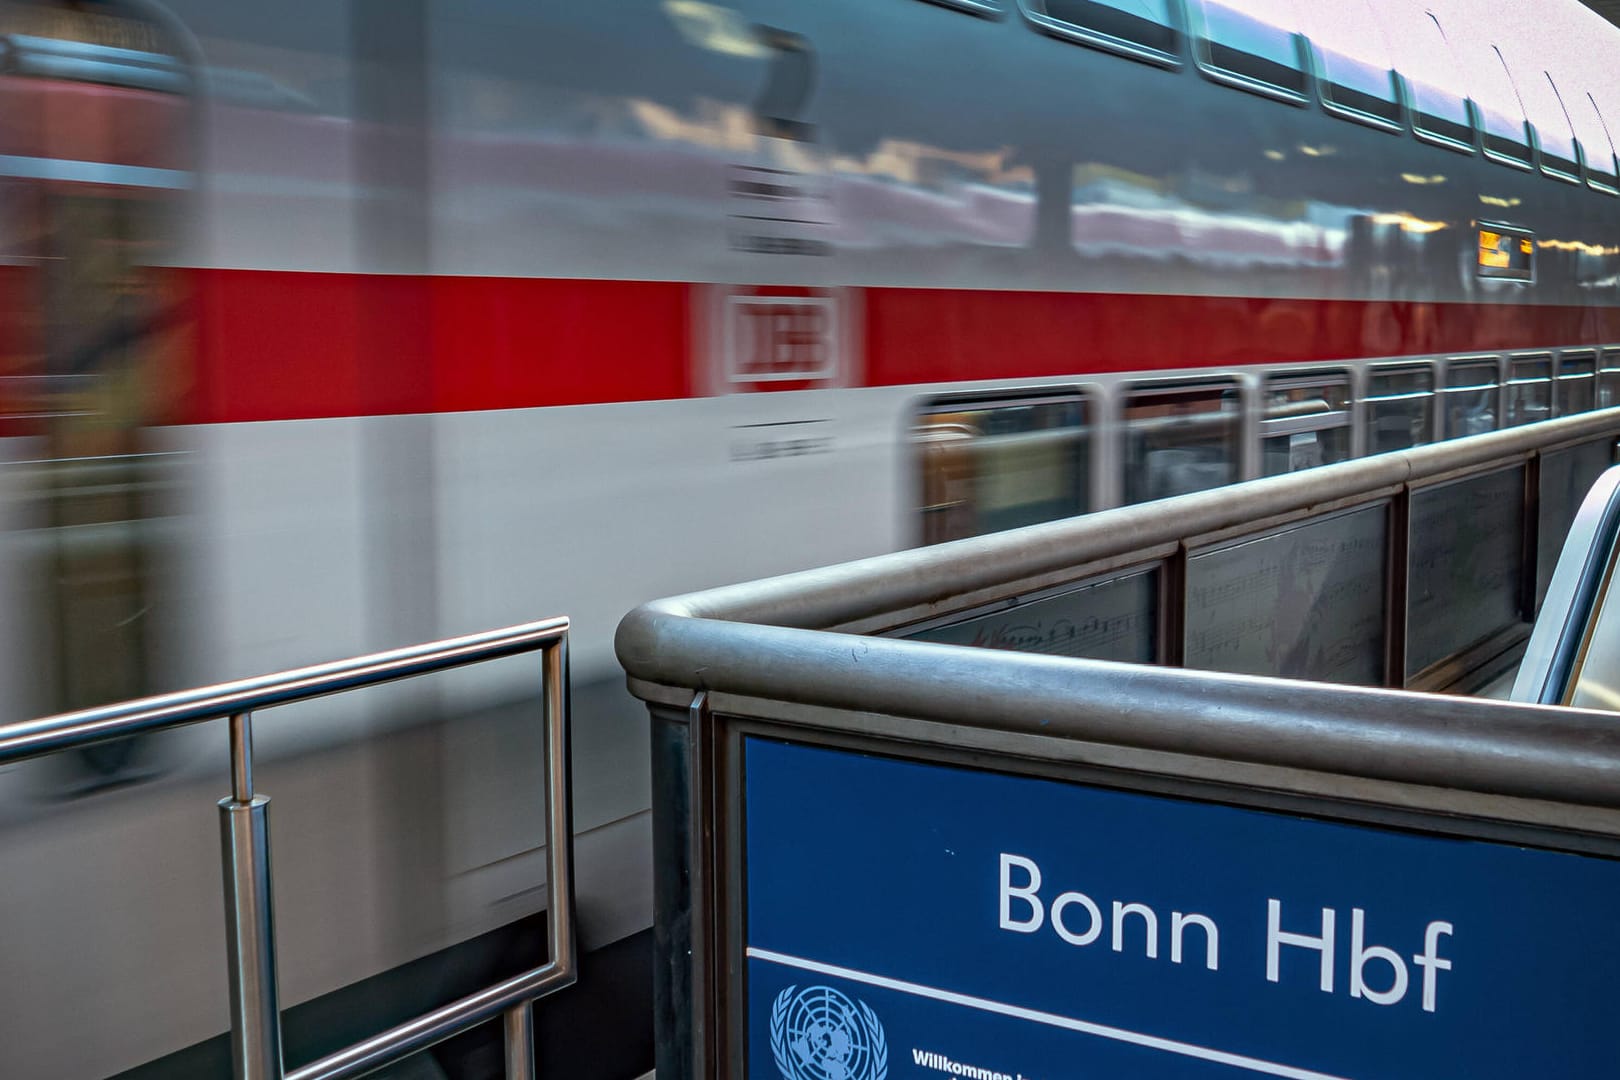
(519, 1024)
(250, 941)
(559, 807)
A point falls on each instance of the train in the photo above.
(337, 325)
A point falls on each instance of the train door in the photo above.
(96, 147)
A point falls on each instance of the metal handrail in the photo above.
(1458, 747)
(1574, 597)
(885, 591)
(244, 833)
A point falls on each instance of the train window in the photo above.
(1608, 388)
(1002, 463)
(1555, 135)
(1355, 75)
(1597, 148)
(1530, 387)
(1306, 422)
(1400, 408)
(1440, 112)
(1250, 44)
(1470, 397)
(1505, 252)
(1577, 381)
(1502, 123)
(1181, 437)
(1143, 29)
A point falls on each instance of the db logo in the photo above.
(780, 339)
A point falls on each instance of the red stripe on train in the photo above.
(282, 346)
(929, 335)
(285, 346)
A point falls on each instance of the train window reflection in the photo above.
(1001, 464)
(1597, 148)
(1123, 25)
(1439, 105)
(1470, 397)
(1181, 438)
(1529, 390)
(1501, 112)
(1400, 408)
(1555, 137)
(1356, 75)
(1252, 44)
(1505, 252)
(1577, 378)
(1609, 379)
(1358, 88)
(1306, 422)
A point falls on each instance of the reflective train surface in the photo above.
(335, 325)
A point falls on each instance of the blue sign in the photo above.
(913, 920)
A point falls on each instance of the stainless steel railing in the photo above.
(245, 840)
(1562, 639)
(924, 590)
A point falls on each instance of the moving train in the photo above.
(335, 325)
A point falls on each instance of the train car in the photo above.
(335, 325)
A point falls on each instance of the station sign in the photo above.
(905, 919)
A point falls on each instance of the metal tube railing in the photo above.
(1550, 664)
(245, 843)
(871, 594)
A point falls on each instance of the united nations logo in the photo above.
(819, 1034)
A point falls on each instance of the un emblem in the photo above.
(819, 1034)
